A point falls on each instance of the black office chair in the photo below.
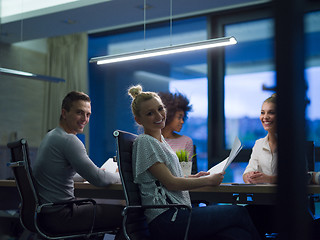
(134, 222)
(194, 169)
(310, 155)
(310, 159)
(30, 206)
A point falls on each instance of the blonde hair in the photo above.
(271, 99)
(138, 97)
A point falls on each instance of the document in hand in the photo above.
(222, 166)
(110, 166)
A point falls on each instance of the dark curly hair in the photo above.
(175, 102)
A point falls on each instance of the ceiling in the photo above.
(96, 15)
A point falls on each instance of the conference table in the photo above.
(225, 193)
(236, 193)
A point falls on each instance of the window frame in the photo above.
(216, 71)
(216, 74)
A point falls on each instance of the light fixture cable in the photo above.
(206, 44)
(21, 35)
(170, 22)
(144, 23)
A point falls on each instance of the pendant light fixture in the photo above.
(173, 49)
(18, 73)
(206, 44)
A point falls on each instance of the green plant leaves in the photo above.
(183, 155)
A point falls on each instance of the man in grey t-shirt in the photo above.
(60, 156)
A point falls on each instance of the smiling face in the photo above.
(268, 117)
(76, 119)
(152, 116)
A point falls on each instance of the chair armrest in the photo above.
(77, 202)
(15, 164)
(127, 208)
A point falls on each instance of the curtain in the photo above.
(67, 58)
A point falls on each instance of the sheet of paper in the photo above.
(222, 166)
(236, 148)
(219, 167)
(110, 166)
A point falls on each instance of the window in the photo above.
(312, 73)
(249, 70)
(250, 78)
(196, 125)
(186, 73)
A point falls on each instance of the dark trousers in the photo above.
(75, 218)
(219, 222)
(264, 218)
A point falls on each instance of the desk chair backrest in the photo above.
(310, 154)
(194, 169)
(30, 204)
(20, 164)
(135, 222)
(310, 158)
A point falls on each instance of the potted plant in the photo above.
(186, 166)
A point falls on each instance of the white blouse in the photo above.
(262, 159)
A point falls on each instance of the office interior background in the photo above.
(59, 41)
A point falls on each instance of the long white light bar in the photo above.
(211, 43)
(17, 73)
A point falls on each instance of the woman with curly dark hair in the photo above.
(177, 106)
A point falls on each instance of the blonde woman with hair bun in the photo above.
(157, 171)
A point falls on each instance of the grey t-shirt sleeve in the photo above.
(76, 154)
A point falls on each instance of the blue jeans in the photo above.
(219, 222)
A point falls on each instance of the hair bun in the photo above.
(135, 91)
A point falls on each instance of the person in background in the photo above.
(315, 178)
(157, 171)
(60, 155)
(177, 106)
(262, 167)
